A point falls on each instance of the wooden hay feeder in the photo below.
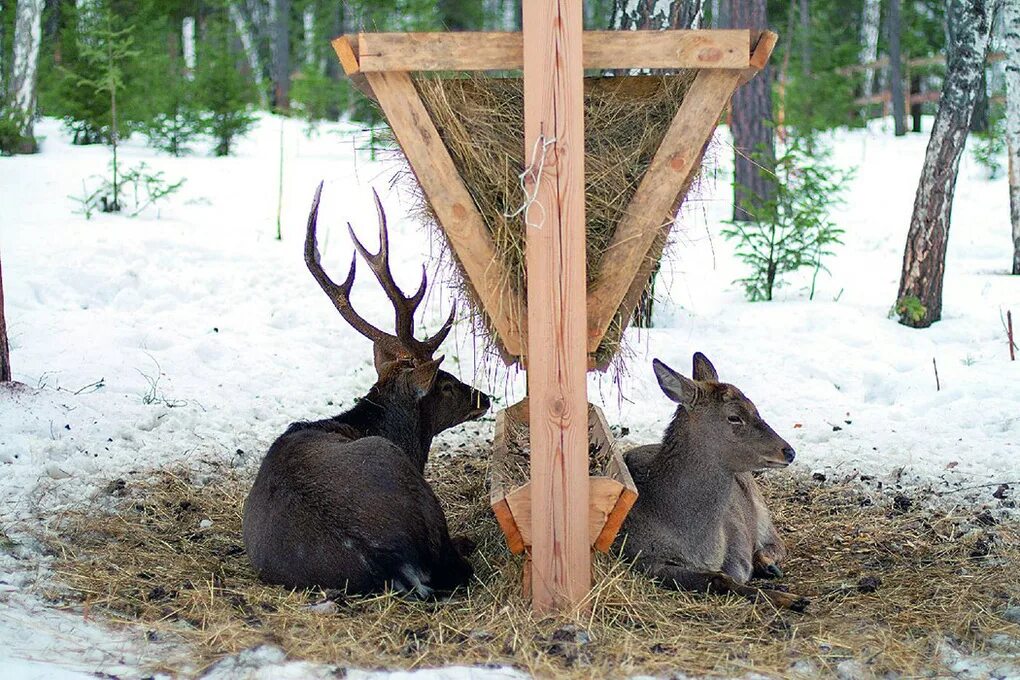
(612, 491)
(553, 52)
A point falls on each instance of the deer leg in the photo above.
(674, 575)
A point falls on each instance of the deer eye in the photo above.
(736, 420)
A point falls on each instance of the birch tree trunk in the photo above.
(249, 44)
(1010, 39)
(188, 46)
(25, 70)
(919, 300)
(753, 135)
(870, 22)
(308, 35)
(5, 349)
(896, 69)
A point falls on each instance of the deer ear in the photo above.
(682, 390)
(703, 369)
(423, 377)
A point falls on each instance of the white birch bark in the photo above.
(25, 65)
(924, 257)
(1010, 44)
(251, 53)
(188, 46)
(308, 29)
(869, 41)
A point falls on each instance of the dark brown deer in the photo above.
(342, 503)
(700, 522)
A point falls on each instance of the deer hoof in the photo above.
(798, 604)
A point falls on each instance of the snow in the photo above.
(190, 333)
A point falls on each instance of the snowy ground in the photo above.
(191, 333)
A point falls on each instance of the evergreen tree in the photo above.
(224, 92)
(107, 48)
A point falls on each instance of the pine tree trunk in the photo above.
(1011, 48)
(924, 257)
(5, 349)
(896, 69)
(720, 14)
(3, 54)
(805, 37)
(281, 55)
(915, 109)
(979, 119)
(686, 14)
(25, 70)
(753, 135)
(870, 20)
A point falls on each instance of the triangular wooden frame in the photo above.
(379, 63)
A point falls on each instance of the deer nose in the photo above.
(789, 454)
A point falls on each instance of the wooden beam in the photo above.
(451, 201)
(725, 49)
(497, 491)
(347, 53)
(650, 208)
(604, 494)
(761, 51)
(618, 471)
(557, 361)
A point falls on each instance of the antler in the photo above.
(403, 343)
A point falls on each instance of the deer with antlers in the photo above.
(342, 503)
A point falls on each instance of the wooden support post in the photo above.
(557, 361)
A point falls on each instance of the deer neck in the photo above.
(689, 483)
(402, 426)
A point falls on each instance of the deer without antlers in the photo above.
(342, 502)
(700, 521)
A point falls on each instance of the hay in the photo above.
(152, 561)
(514, 469)
(482, 122)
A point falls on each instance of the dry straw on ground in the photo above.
(889, 584)
(481, 120)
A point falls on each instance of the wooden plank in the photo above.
(451, 201)
(650, 207)
(618, 471)
(604, 493)
(557, 361)
(761, 51)
(347, 53)
(497, 485)
(465, 51)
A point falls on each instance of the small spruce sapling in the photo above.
(108, 48)
(989, 148)
(176, 120)
(793, 229)
(223, 91)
